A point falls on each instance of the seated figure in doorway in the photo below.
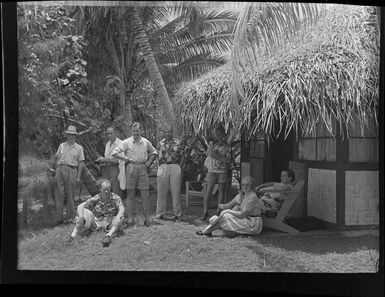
(272, 194)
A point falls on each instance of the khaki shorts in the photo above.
(217, 178)
(137, 177)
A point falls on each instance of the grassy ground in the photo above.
(173, 246)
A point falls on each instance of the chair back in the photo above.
(289, 201)
(298, 185)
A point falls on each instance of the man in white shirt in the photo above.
(111, 169)
(138, 152)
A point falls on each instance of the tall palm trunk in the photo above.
(155, 76)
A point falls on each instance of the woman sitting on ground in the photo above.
(242, 215)
(272, 194)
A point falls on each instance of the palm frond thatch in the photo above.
(331, 71)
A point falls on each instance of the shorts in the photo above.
(217, 178)
(137, 177)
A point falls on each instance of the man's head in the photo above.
(111, 134)
(247, 184)
(136, 130)
(71, 134)
(287, 176)
(169, 133)
(219, 133)
(105, 188)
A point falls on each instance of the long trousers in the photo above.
(65, 183)
(168, 175)
(111, 172)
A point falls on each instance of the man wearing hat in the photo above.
(67, 160)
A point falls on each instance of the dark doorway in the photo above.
(281, 152)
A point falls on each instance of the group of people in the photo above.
(125, 170)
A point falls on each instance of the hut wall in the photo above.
(300, 205)
(321, 194)
(343, 186)
(363, 150)
(363, 141)
(341, 173)
(361, 197)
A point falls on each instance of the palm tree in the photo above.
(152, 67)
(262, 27)
(134, 43)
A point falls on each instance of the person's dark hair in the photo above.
(290, 173)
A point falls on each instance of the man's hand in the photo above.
(78, 180)
(101, 159)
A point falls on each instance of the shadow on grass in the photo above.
(320, 244)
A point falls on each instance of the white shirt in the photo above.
(136, 151)
(110, 148)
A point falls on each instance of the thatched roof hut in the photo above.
(329, 71)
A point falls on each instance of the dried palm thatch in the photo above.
(329, 71)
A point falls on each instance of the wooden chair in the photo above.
(195, 193)
(277, 222)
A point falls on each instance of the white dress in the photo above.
(251, 225)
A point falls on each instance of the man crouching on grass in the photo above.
(103, 211)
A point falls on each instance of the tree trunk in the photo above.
(128, 116)
(125, 111)
(152, 66)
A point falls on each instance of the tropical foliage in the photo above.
(52, 72)
(84, 65)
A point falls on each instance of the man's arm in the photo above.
(80, 209)
(229, 205)
(120, 213)
(108, 160)
(79, 171)
(117, 153)
(152, 153)
(263, 185)
(81, 164)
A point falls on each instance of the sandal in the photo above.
(201, 233)
(106, 241)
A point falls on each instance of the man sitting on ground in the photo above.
(103, 211)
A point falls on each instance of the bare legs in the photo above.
(209, 190)
(206, 197)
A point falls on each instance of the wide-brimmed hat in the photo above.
(71, 130)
